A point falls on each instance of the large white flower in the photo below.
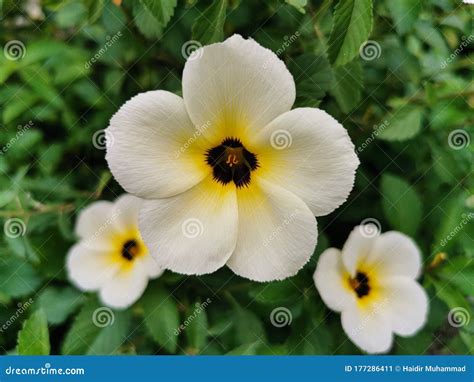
(231, 175)
(111, 256)
(372, 283)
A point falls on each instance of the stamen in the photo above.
(130, 249)
(231, 161)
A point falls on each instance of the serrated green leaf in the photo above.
(347, 87)
(401, 204)
(33, 338)
(209, 26)
(313, 78)
(161, 317)
(161, 10)
(146, 23)
(97, 330)
(404, 123)
(351, 28)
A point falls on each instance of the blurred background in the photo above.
(405, 96)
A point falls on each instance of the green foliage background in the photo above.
(401, 108)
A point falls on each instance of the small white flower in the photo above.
(372, 282)
(111, 256)
(232, 176)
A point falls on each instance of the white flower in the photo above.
(232, 158)
(111, 256)
(371, 281)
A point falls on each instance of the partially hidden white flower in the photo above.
(372, 282)
(111, 256)
(231, 174)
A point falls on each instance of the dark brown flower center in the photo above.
(360, 284)
(231, 162)
(130, 249)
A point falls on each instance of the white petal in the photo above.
(309, 153)
(237, 84)
(329, 277)
(194, 232)
(154, 150)
(407, 304)
(153, 269)
(394, 253)
(93, 225)
(125, 212)
(277, 233)
(369, 328)
(89, 268)
(357, 247)
(125, 287)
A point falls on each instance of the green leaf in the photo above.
(33, 338)
(348, 85)
(404, 13)
(94, 9)
(246, 349)
(161, 317)
(59, 303)
(298, 4)
(275, 293)
(196, 331)
(17, 277)
(97, 330)
(146, 23)
(248, 326)
(401, 204)
(313, 78)
(161, 10)
(404, 123)
(351, 27)
(209, 26)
